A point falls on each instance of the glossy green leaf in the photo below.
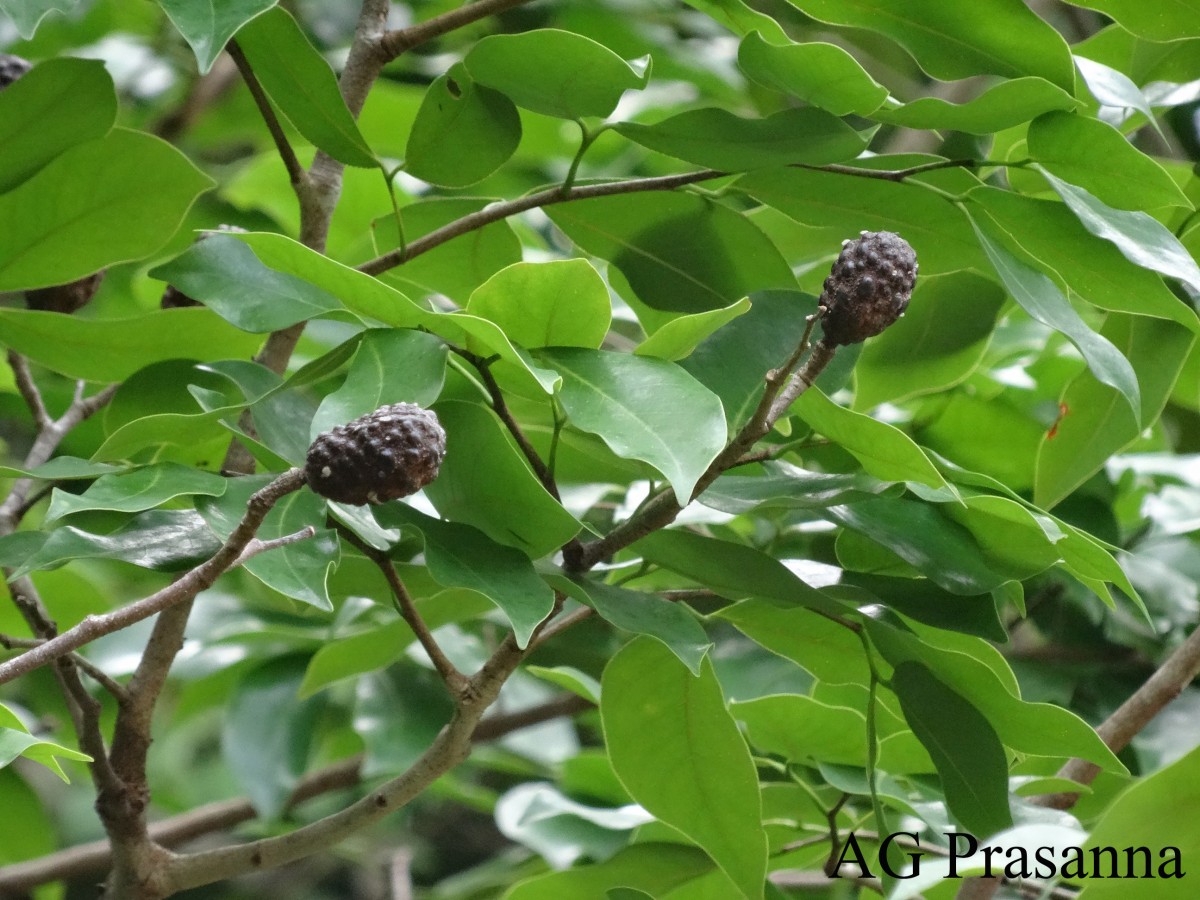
(138, 490)
(676, 749)
(1153, 21)
(649, 409)
(1095, 156)
(62, 468)
(207, 25)
(827, 649)
(724, 258)
(164, 540)
(267, 733)
(562, 303)
(644, 613)
(1112, 87)
(732, 570)
(1091, 268)
(108, 200)
(785, 486)
(390, 366)
(486, 482)
(463, 132)
(15, 742)
(1001, 106)
(940, 340)
(300, 82)
(1015, 540)
(883, 450)
(1097, 421)
(463, 557)
(1000, 37)
(965, 748)
(579, 683)
(717, 139)
(223, 273)
(962, 663)
(918, 533)
(936, 230)
(1147, 815)
(1142, 240)
(557, 73)
(656, 867)
(53, 107)
(740, 18)
(678, 337)
(27, 14)
(1041, 298)
(822, 74)
(297, 570)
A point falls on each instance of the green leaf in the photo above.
(14, 743)
(1142, 240)
(656, 867)
(390, 366)
(1039, 297)
(646, 408)
(297, 570)
(973, 669)
(62, 468)
(1097, 421)
(105, 201)
(1112, 87)
(398, 714)
(303, 86)
(678, 337)
(883, 450)
(732, 570)
(822, 74)
(917, 532)
(939, 341)
(1089, 267)
(136, 491)
(717, 139)
(463, 557)
(1001, 106)
(1147, 815)
(1000, 37)
(486, 482)
(678, 752)
(207, 25)
(562, 303)
(936, 229)
(53, 107)
(823, 647)
(1095, 156)
(1153, 21)
(644, 613)
(579, 683)
(785, 486)
(724, 258)
(964, 747)
(223, 273)
(557, 73)
(27, 14)
(267, 733)
(463, 132)
(164, 540)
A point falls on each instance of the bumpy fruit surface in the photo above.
(12, 68)
(868, 288)
(65, 298)
(392, 452)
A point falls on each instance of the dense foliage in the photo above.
(699, 602)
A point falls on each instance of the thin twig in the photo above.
(196, 580)
(29, 391)
(403, 39)
(89, 668)
(282, 144)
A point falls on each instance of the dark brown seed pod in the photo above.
(172, 297)
(12, 68)
(65, 298)
(392, 452)
(868, 288)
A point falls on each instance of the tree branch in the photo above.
(402, 40)
(295, 171)
(199, 578)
